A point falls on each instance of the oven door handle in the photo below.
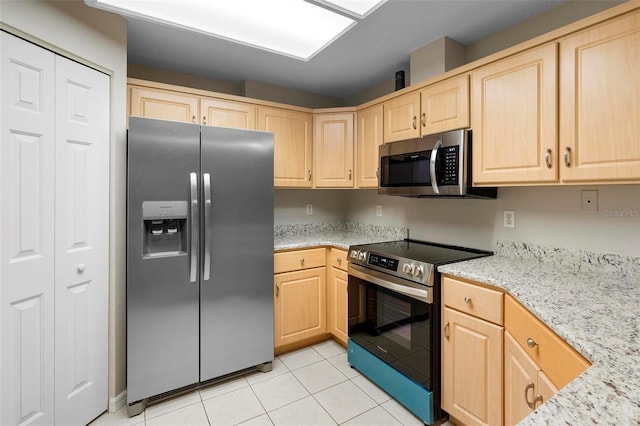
(415, 291)
(432, 166)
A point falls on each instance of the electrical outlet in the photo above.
(509, 219)
(378, 210)
(309, 208)
(589, 200)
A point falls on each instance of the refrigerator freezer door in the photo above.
(162, 303)
(237, 300)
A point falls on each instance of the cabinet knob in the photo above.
(547, 158)
(82, 267)
(446, 329)
(193, 119)
(467, 300)
(302, 261)
(349, 174)
(339, 260)
(531, 343)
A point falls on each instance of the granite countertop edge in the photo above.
(594, 311)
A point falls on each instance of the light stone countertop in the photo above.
(339, 234)
(590, 300)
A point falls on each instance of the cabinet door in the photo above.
(401, 117)
(445, 106)
(82, 242)
(546, 388)
(599, 103)
(163, 104)
(471, 369)
(27, 244)
(369, 138)
(333, 150)
(299, 303)
(337, 304)
(513, 118)
(224, 113)
(520, 378)
(292, 145)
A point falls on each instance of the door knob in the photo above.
(82, 267)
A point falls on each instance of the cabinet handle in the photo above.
(193, 119)
(423, 119)
(339, 260)
(538, 399)
(204, 120)
(531, 343)
(349, 174)
(526, 395)
(467, 300)
(302, 261)
(413, 122)
(567, 160)
(277, 290)
(309, 174)
(446, 329)
(547, 158)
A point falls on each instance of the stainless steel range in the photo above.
(394, 318)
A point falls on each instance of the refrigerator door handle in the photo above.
(193, 270)
(207, 226)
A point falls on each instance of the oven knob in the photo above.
(417, 271)
(362, 255)
(353, 254)
(407, 269)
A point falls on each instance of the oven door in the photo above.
(393, 319)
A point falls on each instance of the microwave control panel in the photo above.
(450, 165)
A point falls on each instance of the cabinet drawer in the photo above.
(473, 299)
(299, 259)
(553, 355)
(337, 258)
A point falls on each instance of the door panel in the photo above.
(237, 300)
(82, 242)
(27, 229)
(162, 301)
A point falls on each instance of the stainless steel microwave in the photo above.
(431, 166)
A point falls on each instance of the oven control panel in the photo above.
(416, 271)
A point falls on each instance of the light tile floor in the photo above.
(312, 386)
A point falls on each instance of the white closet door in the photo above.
(26, 233)
(82, 242)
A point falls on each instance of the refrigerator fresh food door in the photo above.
(162, 241)
(236, 311)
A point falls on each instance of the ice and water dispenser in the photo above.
(165, 228)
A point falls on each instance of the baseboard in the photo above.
(118, 402)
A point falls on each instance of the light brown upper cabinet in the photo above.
(225, 113)
(436, 108)
(369, 138)
(445, 106)
(401, 117)
(163, 104)
(333, 150)
(292, 145)
(514, 119)
(600, 103)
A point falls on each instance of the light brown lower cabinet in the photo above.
(337, 297)
(471, 369)
(526, 387)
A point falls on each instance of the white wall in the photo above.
(96, 38)
(544, 215)
(327, 206)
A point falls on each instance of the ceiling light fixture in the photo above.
(294, 28)
(357, 8)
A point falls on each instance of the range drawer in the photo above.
(299, 259)
(553, 355)
(473, 299)
(337, 258)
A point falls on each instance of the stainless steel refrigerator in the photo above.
(199, 255)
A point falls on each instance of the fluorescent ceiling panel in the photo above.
(357, 8)
(294, 28)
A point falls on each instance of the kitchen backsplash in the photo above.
(570, 260)
(375, 232)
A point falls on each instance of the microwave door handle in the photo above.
(432, 166)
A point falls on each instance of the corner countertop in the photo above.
(590, 300)
(338, 234)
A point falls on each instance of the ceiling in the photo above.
(368, 54)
